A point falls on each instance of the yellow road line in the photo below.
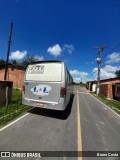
(79, 127)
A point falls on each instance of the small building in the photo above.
(108, 87)
(15, 73)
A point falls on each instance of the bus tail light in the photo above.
(23, 89)
(62, 92)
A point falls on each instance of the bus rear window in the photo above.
(44, 72)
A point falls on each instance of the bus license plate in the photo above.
(38, 104)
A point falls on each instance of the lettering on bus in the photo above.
(36, 69)
(41, 90)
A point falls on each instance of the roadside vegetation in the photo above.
(14, 109)
(113, 104)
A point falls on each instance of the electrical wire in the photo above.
(118, 44)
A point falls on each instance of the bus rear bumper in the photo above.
(54, 106)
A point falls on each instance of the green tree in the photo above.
(27, 61)
(117, 73)
(2, 61)
(14, 62)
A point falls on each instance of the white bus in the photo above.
(47, 84)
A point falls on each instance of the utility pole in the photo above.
(81, 79)
(8, 51)
(98, 59)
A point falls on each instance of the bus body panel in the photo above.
(42, 91)
(45, 88)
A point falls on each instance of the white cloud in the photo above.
(83, 73)
(82, 79)
(38, 58)
(68, 48)
(110, 68)
(77, 73)
(55, 50)
(77, 80)
(78, 76)
(113, 58)
(74, 72)
(104, 73)
(18, 55)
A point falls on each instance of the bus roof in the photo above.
(48, 61)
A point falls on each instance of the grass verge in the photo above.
(14, 109)
(113, 104)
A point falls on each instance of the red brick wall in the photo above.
(110, 93)
(111, 81)
(104, 89)
(15, 75)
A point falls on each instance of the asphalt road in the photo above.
(86, 125)
(100, 127)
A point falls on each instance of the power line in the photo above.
(117, 45)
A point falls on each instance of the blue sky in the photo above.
(66, 30)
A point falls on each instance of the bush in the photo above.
(14, 109)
